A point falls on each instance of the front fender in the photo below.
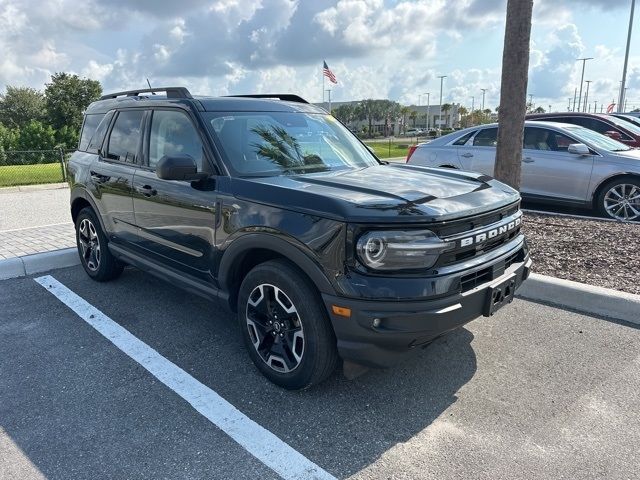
(241, 246)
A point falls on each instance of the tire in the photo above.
(95, 256)
(620, 199)
(298, 348)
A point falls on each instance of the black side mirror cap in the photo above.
(178, 167)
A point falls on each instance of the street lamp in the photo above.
(621, 101)
(441, 77)
(584, 61)
(484, 90)
(586, 96)
(428, 94)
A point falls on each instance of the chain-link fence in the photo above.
(32, 167)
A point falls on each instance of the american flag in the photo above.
(328, 73)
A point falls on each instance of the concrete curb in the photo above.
(582, 298)
(39, 262)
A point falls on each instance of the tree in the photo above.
(20, 105)
(345, 113)
(369, 110)
(67, 96)
(539, 110)
(36, 136)
(513, 92)
(404, 113)
(446, 107)
(67, 137)
(413, 115)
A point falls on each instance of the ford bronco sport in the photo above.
(271, 206)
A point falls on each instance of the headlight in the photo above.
(400, 250)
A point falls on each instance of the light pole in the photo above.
(569, 107)
(621, 101)
(586, 96)
(531, 101)
(428, 94)
(484, 90)
(329, 92)
(595, 106)
(584, 61)
(575, 96)
(441, 77)
(473, 103)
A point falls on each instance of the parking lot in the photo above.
(533, 392)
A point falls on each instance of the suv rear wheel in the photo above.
(95, 256)
(285, 327)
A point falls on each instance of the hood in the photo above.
(382, 193)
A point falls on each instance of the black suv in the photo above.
(271, 206)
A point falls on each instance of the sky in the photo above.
(392, 49)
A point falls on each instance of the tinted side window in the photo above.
(88, 129)
(98, 137)
(543, 139)
(486, 138)
(125, 136)
(462, 140)
(172, 133)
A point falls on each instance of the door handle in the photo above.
(467, 155)
(528, 160)
(147, 190)
(96, 177)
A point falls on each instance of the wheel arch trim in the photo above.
(243, 245)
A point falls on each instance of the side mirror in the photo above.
(178, 167)
(578, 149)
(613, 134)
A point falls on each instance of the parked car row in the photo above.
(563, 163)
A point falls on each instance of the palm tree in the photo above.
(413, 115)
(344, 113)
(369, 110)
(513, 92)
(445, 109)
(404, 113)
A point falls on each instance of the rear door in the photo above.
(549, 170)
(479, 153)
(176, 219)
(111, 173)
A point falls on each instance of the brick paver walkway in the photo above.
(27, 241)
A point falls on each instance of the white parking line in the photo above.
(260, 442)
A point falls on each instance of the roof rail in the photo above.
(172, 92)
(286, 97)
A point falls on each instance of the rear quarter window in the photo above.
(89, 127)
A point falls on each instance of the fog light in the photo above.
(376, 322)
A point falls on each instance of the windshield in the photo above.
(596, 139)
(283, 143)
(624, 124)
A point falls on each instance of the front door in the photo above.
(111, 174)
(176, 219)
(549, 170)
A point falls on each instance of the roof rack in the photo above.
(172, 92)
(285, 97)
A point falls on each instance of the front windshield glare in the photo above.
(597, 139)
(283, 143)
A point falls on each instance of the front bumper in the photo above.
(404, 325)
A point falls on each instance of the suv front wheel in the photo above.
(285, 327)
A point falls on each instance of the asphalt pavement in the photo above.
(533, 392)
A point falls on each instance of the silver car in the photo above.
(561, 164)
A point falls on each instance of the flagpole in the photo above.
(322, 72)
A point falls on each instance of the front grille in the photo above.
(462, 252)
(475, 279)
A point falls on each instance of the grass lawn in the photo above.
(397, 149)
(12, 175)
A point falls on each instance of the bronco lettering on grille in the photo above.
(490, 234)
